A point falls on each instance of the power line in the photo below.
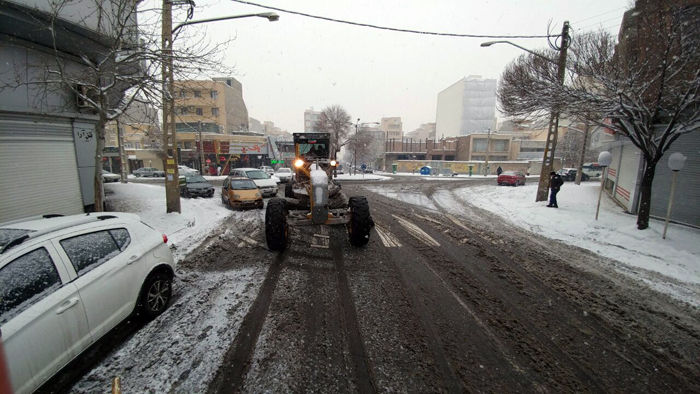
(389, 28)
(595, 16)
(599, 23)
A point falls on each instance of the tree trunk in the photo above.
(100, 144)
(579, 168)
(645, 195)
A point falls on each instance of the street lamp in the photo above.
(172, 192)
(676, 162)
(553, 133)
(604, 160)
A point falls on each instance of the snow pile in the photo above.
(199, 217)
(361, 177)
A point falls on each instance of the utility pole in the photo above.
(201, 148)
(553, 133)
(172, 192)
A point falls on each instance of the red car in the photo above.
(513, 178)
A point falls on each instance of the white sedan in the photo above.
(284, 174)
(67, 281)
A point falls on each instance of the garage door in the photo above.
(39, 170)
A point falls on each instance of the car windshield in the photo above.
(243, 185)
(284, 170)
(257, 174)
(316, 150)
(509, 173)
(195, 179)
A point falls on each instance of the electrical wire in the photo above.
(595, 16)
(390, 28)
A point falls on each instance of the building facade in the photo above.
(47, 138)
(214, 106)
(310, 120)
(392, 128)
(467, 106)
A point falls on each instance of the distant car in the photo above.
(285, 174)
(195, 186)
(66, 281)
(239, 192)
(184, 170)
(593, 170)
(268, 187)
(269, 170)
(110, 177)
(149, 172)
(569, 174)
(513, 178)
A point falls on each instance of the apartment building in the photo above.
(212, 106)
(392, 128)
(310, 119)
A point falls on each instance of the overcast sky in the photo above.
(297, 62)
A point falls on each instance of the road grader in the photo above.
(313, 197)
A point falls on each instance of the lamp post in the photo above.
(604, 160)
(172, 192)
(553, 133)
(488, 148)
(676, 162)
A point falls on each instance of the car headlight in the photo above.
(257, 194)
(236, 196)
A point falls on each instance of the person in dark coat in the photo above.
(499, 170)
(555, 183)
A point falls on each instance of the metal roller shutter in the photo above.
(39, 168)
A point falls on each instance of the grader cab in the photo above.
(313, 197)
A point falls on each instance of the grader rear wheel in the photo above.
(276, 228)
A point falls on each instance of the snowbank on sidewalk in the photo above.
(199, 217)
(613, 235)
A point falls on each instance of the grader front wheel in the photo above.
(276, 229)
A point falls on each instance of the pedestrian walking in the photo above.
(499, 170)
(555, 183)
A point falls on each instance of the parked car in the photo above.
(269, 170)
(569, 174)
(285, 174)
(149, 172)
(110, 177)
(195, 186)
(513, 178)
(65, 281)
(593, 170)
(240, 192)
(184, 170)
(267, 186)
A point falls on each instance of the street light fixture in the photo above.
(170, 160)
(676, 162)
(553, 133)
(270, 16)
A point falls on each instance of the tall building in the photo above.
(392, 128)
(310, 119)
(254, 125)
(215, 106)
(468, 106)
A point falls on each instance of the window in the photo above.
(500, 145)
(214, 94)
(197, 93)
(480, 145)
(215, 112)
(88, 251)
(183, 110)
(188, 144)
(183, 93)
(26, 280)
(199, 111)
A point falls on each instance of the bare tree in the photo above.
(644, 88)
(123, 68)
(335, 120)
(359, 145)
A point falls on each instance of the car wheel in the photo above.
(360, 221)
(276, 228)
(288, 191)
(156, 294)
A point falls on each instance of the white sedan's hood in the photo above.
(264, 182)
